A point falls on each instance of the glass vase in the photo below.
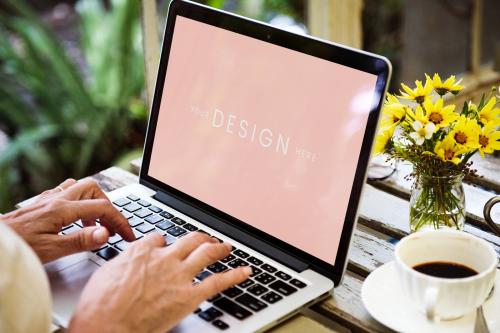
(437, 202)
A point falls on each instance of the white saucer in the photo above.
(385, 301)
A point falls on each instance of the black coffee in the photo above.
(445, 269)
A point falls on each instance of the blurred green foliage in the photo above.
(63, 119)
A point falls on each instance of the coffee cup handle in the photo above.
(487, 211)
(430, 300)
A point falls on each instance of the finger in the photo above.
(100, 209)
(84, 189)
(86, 239)
(61, 187)
(88, 189)
(206, 254)
(221, 281)
(89, 222)
(184, 246)
(66, 184)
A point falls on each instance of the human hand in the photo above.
(39, 223)
(149, 287)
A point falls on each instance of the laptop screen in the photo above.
(268, 135)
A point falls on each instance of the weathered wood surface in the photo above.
(489, 170)
(373, 245)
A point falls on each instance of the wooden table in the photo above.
(382, 222)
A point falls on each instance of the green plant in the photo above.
(63, 120)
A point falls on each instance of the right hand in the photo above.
(149, 288)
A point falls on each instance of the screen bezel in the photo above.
(339, 54)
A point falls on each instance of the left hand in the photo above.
(39, 223)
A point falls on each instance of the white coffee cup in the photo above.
(446, 298)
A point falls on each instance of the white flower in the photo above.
(422, 132)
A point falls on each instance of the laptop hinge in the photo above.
(232, 232)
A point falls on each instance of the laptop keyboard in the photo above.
(266, 286)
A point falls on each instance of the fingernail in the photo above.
(100, 235)
(228, 246)
(248, 270)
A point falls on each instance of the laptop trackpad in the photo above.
(66, 285)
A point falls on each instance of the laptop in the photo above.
(261, 138)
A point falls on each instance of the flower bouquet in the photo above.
(421, 127)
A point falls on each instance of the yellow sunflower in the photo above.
(419, 115)
(393, 111)
(489, 138)
(489, 112)
(440, 115)
(382, 140)
(449, 150)
(419, 94)
(449, 85)
(466, 133)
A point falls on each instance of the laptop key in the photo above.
(230, 307)
(256, 271)
(237, 263)
(282, 287)
(132, 207)
(220, 324)
(176, 231)
(272, 297)
(198, 310)
(108, 253)
(145, 228)
(241, 254)
(217, 267)
(123, 245)
(257, 289)
(165, 225)
(143, 203)
(255, 261)
(268, 268)
(155, 209)
(166, 215)
(142, 213)
(169, 240)
(251, 302)
(190, 227)
(137, 234)
(178, 221)
(114, 239)
(210, 314)
(265, 278)
(246, 283)
(232, 292)
(227, 259)
(121, 202)
(283, 275)
(126, 214)
(298, 283)
(134, 221)
(153, 219)
(133, 197)
(203, 275)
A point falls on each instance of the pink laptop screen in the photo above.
(263, 133)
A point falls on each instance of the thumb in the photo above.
(88, 238)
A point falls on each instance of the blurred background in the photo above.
(73, 97)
